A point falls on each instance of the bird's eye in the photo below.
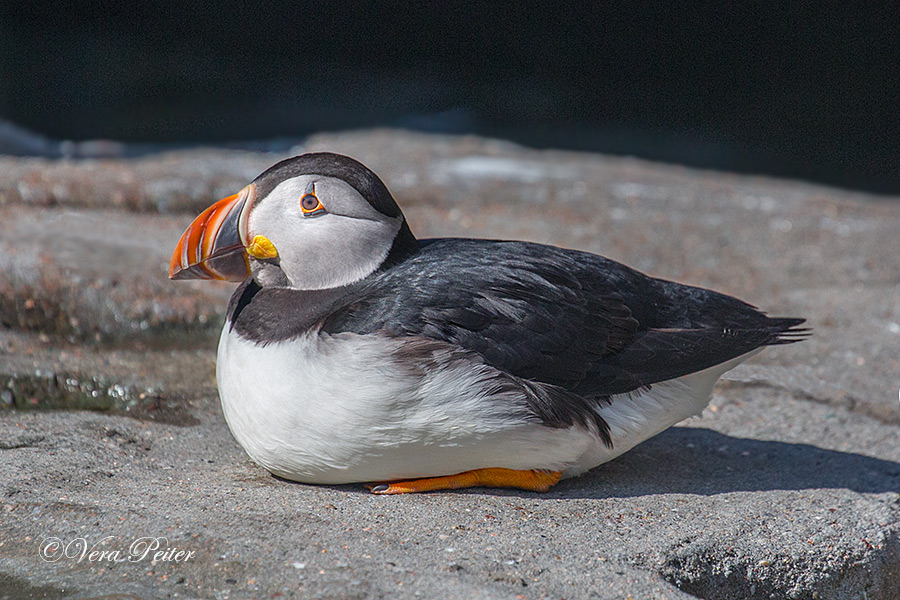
(310, 205)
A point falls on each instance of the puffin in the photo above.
(353, 352)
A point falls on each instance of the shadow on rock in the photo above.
(686, 460)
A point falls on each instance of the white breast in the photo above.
(343, 408)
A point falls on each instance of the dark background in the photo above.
(799, 91)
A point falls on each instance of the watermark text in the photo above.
(153, 549)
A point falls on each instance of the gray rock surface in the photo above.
(787, 487)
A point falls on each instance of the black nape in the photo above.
(404, 246)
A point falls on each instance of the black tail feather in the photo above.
(787, 331)
(667, 353)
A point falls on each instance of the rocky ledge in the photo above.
(110, 432)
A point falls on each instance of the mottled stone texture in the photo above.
(787, 487)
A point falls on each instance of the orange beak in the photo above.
(214, 246)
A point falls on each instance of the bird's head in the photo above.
(314, 221)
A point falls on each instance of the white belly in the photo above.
(340, 409)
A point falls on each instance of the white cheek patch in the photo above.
(335, 251)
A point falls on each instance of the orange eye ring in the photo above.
(311, 205)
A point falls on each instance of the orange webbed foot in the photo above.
(534, 481)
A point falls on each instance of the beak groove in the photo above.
(214, 245)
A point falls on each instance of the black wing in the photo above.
(568, 319)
